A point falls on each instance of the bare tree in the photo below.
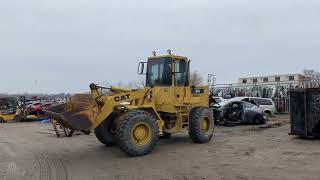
(105, 83)
(196, 78)
(137, 84)
(315, 75)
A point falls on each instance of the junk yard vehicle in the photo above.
(11, 109)
(135, 119)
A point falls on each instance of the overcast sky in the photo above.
(64, 45)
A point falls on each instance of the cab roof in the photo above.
(168, 56)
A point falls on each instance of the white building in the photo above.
(289, 79)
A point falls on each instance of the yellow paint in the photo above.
(205, 125)
(141, 134)
(7, 117)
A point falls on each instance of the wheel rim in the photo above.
(17, 118)
(205, 125)
(141, 134)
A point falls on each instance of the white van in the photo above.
(265, 104)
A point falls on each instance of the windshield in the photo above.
(7, 103)
(223, 103)
(218, 100)
(263, 102)
(159, 72)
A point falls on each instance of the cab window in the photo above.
(181, 77)
(159, 72)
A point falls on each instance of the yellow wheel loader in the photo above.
(11, 110)
(134, 119)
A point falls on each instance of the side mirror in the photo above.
(141, 68)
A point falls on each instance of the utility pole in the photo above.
(211, 82)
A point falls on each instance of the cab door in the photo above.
(180, 79)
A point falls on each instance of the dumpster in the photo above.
(305, 112)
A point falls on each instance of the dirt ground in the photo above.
(31, 151)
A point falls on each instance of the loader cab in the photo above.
(168, 76)
(165, 71)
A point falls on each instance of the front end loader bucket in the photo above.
(73, 115)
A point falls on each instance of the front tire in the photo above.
(2, 120)
(106, 132)
(201, 125)
(261, 120)
(268, 113)
(137, 133)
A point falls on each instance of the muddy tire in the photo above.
(1, 120)
(259, 120)
(201, 125)
(137, 133)
(106, 132)
(17, 118)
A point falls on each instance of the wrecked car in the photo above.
(238, 112)
(266, 104)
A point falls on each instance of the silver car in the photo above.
(266, 104)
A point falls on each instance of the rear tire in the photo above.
(137, 133)
(201, 125)
(2, 120)
(105, 132)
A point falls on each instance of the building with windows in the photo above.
(289, 79)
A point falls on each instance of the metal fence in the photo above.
(282, 104)
(278, 92)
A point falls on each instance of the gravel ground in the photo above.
(31, 151)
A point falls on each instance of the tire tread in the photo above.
(124, 127)
(194, 125)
